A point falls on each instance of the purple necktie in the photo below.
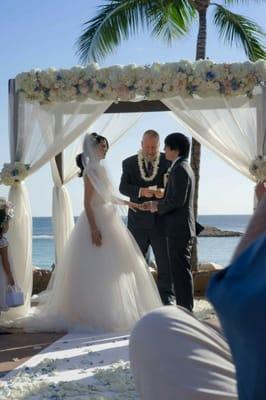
(149, 168)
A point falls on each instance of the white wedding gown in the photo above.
(97, 289)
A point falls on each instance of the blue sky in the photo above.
(38, 34)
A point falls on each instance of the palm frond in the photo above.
(235, 28)
(172, 19)
(119, 19)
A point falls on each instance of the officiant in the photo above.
(144, 178)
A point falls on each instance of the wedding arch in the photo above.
(222, 105)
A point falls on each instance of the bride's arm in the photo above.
(122, 202)
(96, 236)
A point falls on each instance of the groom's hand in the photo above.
(149, 206)
(153, 206)
(145, 206)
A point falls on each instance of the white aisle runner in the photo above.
(80, 366)
(77, 366)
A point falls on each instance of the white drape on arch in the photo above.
(36, 139)
(234, 128)
(62, 213)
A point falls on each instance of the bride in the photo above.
(102, 282)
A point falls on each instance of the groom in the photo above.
(143, 179)
(177, 217)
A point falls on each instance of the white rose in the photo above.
(201, 67)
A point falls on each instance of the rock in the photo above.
(41, 279)
(210, 231)
(210, 267)
(202, 276)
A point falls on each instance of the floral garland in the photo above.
(203, 78)
(155, 166)
(258, 168)
(14, 173)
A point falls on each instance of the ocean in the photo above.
(211, 249)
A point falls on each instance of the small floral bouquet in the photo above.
(13, 173)
(8, 209)
(258, 168)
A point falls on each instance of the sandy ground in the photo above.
(17, 347)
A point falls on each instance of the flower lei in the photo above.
(166, 177)
(258, 168)
(13, 173)
(155, 166)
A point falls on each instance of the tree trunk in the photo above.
(196, 146)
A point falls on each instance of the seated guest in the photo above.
(175, 356)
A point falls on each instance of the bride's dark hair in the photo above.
(79, 164)
(97, 139)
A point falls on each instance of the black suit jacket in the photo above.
(131, 182)
(176, 209)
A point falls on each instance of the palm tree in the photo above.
(170, 19)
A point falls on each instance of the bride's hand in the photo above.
(131, 205)
(96, 237)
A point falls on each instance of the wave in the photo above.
(43, 237)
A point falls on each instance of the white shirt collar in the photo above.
(173, 163)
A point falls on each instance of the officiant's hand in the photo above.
(159, 193)
(146, 192)
(96, 237)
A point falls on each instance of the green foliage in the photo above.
(235, 28)
(117, 20)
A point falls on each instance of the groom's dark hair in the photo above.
(178, 141)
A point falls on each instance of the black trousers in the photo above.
(179, 254)
(151, 237)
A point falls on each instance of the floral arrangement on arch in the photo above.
(14, 173)
(258, 168)
(203, 78)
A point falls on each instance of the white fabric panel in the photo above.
(53, 138)
(63, 220)
(261, 121)
(226, 126)
(115, 126)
